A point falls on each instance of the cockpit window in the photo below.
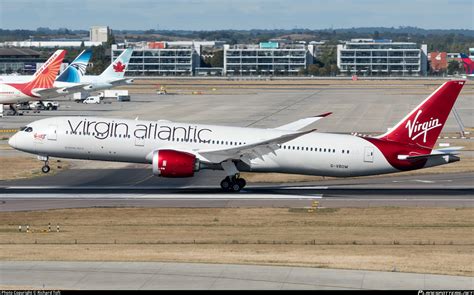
(28, 129)
(22, 128)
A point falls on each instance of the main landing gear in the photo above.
(45, 167)
(233, 183)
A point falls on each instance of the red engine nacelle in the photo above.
(171, 163)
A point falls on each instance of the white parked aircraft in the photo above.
(180, 149)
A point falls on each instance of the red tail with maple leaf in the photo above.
(116, 69)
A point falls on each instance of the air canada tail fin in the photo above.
(74, 72)
(46, 74)
(116, 69)
(468, 64)
(423, 125)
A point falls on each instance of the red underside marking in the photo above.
(391, 151)
(22, 87)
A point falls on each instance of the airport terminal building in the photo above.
(179, 58)
(267, 58)
(19, 60)
(382, 57)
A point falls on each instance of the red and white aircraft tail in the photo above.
(422, 126)
(44, 77)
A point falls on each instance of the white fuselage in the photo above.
(12, 95)
(134, 141)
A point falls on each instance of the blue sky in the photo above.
(233, 14)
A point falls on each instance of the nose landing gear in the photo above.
(45, 167)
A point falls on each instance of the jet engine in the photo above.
(171, 163)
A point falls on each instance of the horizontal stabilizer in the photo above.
(450, 151)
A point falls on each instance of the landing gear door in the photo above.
(52, 132)
(369, 154)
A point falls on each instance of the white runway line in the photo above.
(207, 197)
(147, 187)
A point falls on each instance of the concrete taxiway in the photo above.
(159, 275)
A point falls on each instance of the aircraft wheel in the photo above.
(225, 184)
(235, 187)
(45, 169)
(241, 182)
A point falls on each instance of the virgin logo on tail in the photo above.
(416, 129)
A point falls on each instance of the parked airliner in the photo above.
(181, 149)
(73, 78)
(43, 79)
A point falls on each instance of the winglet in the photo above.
(324, 115)
(301, 123)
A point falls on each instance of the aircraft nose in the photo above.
(12, 141)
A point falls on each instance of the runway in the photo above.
(98, 187)
(31, 198)
(162, 275)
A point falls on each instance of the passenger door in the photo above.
(52, 132)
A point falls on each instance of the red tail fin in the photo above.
(423, 125)
(45, 76)
(468, 64)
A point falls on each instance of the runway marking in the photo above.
(163, 197)
(151, 187)
(303, 187)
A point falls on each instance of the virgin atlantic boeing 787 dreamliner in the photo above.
(181, 149)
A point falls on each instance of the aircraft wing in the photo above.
(301, 123)
(250, 151)
(121, 81)
(57, 91)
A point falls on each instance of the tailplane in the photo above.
(422, 126)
